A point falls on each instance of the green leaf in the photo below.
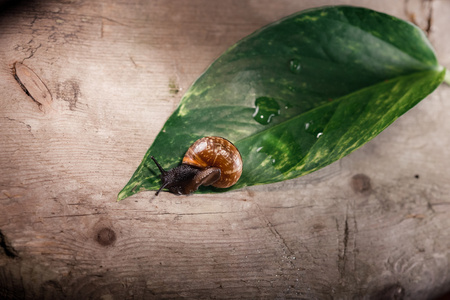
(300, 94)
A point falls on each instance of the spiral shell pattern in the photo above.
(213, 151)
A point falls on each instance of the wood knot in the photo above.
(33, 86)
(105, 236)
(6, 247)
(360, 183)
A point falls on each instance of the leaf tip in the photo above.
(122, 195)
(127, 191)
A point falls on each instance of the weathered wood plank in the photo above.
(116, 71)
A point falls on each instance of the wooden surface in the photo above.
(374, 225)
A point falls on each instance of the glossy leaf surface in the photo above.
(300, 94)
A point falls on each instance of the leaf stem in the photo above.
(447, 77)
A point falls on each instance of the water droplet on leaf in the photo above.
(294, 66)
(265, 110)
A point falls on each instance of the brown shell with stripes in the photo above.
(217, 152)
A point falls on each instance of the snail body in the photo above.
(210, 160)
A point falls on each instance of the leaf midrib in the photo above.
(342, 98)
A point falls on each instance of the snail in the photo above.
(210, 160)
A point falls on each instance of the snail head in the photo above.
(185, 179)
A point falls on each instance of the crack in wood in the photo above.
(102, 27)
(346, 233)
(28, 48)
(342, 259)
(287, 250)
(429, 18)
(355, 231)
(165, 213)
(132, 60)
(6, 246)
(21, 122)
(78, 215)
(279, 237)
(33, 51)
(427, 6)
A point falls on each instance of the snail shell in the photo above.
(213, 151)
(210, 160)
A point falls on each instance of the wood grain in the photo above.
(372, 225)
